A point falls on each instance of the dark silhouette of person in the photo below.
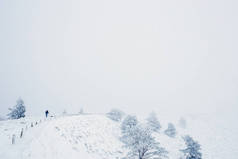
(46, 113)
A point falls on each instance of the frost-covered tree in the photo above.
(115, 115)
(18, 111)
(128, 123)
(140, 142)
(192, 150)
(127, 127)
(170, 131)
(182, 123)
(153, 122)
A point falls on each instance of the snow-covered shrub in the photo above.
(153, 122)
(17, 111)
(182, 123)
(170, 131)
(139, 141)
(192, 150)
(115, 115)
(128, 123)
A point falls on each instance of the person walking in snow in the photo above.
(46, 113)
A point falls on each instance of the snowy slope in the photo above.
(96, 137)
(218, 134)
(87, 136)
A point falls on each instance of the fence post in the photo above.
(31, 124)
(21, 133)
(13, 138)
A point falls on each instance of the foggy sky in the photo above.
(137, 55)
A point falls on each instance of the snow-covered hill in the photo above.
(97, 137)
(86, 136)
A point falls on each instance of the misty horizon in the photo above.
(178, 56)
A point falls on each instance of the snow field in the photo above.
(97, 137)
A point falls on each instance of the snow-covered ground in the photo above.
(97, 137)
(218, 134)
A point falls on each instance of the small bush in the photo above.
(115, 115)
(170, 131)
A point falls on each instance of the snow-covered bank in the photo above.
(97, 137)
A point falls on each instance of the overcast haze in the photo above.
(135, 55)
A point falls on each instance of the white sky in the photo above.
(137, 55)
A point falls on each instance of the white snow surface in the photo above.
(97, 137)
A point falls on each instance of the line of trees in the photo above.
(139, 141)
